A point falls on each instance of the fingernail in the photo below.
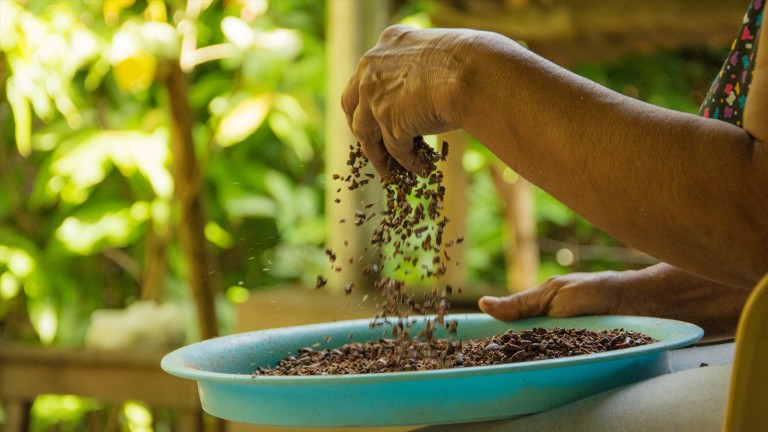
(490, 301)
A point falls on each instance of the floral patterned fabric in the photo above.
(728, 95)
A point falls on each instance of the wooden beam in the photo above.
(575, 31)
(112, 376)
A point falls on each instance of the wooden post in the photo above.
(154, 268)
(521, 246)
(17, 415)
(524, 268)
(353, 27)
(188, 197)
(455, 204)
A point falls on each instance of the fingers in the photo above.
(364, 126)
(351, 94)
(402, 149)
(349, 99)
(394, 31)
(517, 306)
(561, 296)
(376, 108)
(378, 143)
(368, 133)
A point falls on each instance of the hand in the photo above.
(563, 296)
(660, 291)
(409, 84)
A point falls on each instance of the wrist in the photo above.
(632, 289)
(491, 87)
(476, 74)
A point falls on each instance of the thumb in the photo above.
(525, 304)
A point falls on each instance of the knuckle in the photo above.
(365, 133)
(394, 31)
(365, 61)
(347, 104)
(555, 280)
(367, 84)
(359, 131)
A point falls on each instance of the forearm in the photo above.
(596, 151)
(666, 291)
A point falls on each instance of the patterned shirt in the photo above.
(728, 95)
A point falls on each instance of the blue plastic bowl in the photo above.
(223, 366)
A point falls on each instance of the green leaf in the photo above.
(251, 206)
(22, 116)
(292, 134)
(18, 261)
(242, 120)
(283, 43)
(42, 313)
(9, 16)
(9, 286)
(84, 161)
(238, 32)
(77, 165)
(217, 235)
(99, 226)
(147, 153)
(160, 39)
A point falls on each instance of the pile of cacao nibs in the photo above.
(389, 355)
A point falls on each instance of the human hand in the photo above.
(409, 84)
(564, 296)
(660, 290)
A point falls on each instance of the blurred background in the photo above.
(166, 176)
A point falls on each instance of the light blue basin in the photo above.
(222, 368)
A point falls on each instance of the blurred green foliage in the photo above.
(85, 158)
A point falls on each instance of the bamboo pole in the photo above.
(352, 28)
(521, 246)
(188, 197)
(155, 265)
(524, 268)
(455, 205)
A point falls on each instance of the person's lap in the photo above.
(690, 400)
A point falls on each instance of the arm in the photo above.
(660, 290)
(688, 190)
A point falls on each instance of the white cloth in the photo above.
(691, 400)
